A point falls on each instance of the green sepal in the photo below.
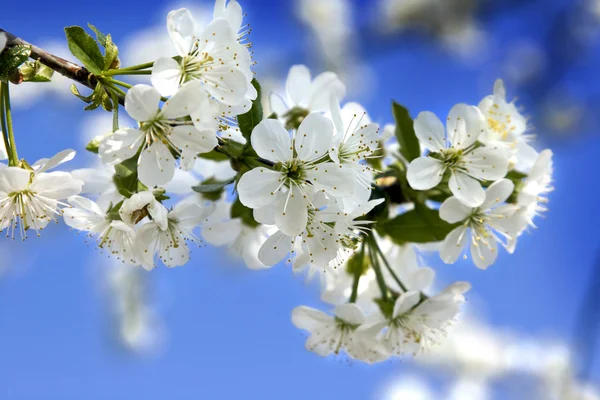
(386, 307)
(214, 156)
(85, 48)
(126, 177)
(209, 186)
(421, 225)
(248, 121)
(357, 265)
(405, 133)
(113, 211)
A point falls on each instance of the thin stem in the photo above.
(357, 274)
(3, 120)
(13, 156)
(136, 67)
(377, 268)
(120, 83)
(113, 72)
(389, 268)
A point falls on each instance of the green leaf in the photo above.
(85, 48)
(126, 177)
(211, 187)
(11, 59)
(405, 133)
(249, 120)
(93, 146)
(35, 71)
(214, 156)
(421, 225)
(99, 35)
(238, 210)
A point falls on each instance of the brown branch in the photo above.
(64, 67)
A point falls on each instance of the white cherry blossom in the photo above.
(506, 127)
(481, 227)
(214, 58)
(305, 95)
(31, 199)
(113, 235)
(170, 243)
(141, 205)
(160, 132)
(355, 139)
(331, 334)
(456, 151)
(300, 169)
(416, 325)
(533, 194)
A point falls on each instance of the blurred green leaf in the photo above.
(249, 120)
(405, 133)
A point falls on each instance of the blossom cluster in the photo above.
(317, 184)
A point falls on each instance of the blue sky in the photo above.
(228, 329)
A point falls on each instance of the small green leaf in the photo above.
(211, 187)
(93, 146)
(35, 71)
(85, 48)
(405, 133)
(249, 120)
(107, 103)
(11, 59)
(214, 156)
(238, 210)
(126, 177)
(421, 225)
(99, 35)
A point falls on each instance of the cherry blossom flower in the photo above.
(300, 169)
(30, 199)
(113, 235)
(170, 243)
(506, 127)
(456, 152)
(214, 58)
(160, 132)
(305, 95)
(533, 194)
(416, 325)
(331, 334)
(482, 226)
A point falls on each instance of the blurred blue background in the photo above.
(226, 331)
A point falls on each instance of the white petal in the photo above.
(277, 103)
(425, 173)
(464, 125)
(484, 251)
(95, 180)
(526, 156)
(56, 185)
(176, 253)
(221, 233)
(453, 210)
(185, 101)
(141, 102)
(310, 319)
(180, 25)
(192, 142)
(121, 145)
(272, 141)
(332, 178)
(166, 75)
(405, 303)
(264, 215)
(497, 193)
(13, 179)
(232, 12)
(430, 131)
(225, 83)
(453, 244)
(298, 84)
(275, 248)
(323, 86)
(291, 212)
(313, 138)
(466, 189)
(156, 165)
(350, 313)
(59, 158)
(486, 162)
(145, 244)
(257, 187)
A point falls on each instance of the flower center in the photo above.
(194, 64)
(452, 158)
